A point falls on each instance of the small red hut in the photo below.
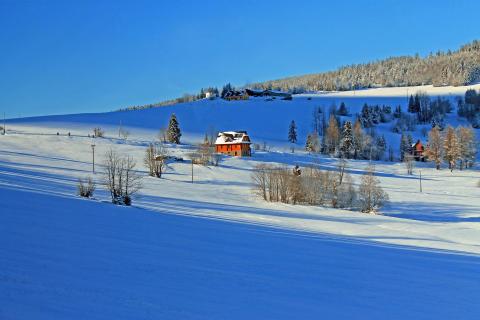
(234, 143)
(418, 151)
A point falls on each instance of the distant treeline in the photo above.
(455, 68)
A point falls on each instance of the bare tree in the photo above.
(451, 148)
(434, 149)
(205, 153)
(259, 179)
(467, 146)
(98, 133)
(120, 178)
(162, 135)
(211, 135)
(123, 133)
(371, 195)
(409, 163)
(155, 160)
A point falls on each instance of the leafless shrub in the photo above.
(120, 178)
(216, 157)
(85, 187)
(123, 133)
(312, 187)
(162, 135)
(155, 160)
(98, 133)
(205, 153)
(371, 195)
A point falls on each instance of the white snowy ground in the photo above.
(62, 257)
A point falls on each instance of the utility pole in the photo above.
(93, 155)
(420, 181)
(192, 169)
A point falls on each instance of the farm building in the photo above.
(268, 93)
(235, 95)
(418, 151)
(234, 143)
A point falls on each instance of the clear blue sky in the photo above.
(89, 56)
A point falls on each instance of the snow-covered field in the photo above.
(178, 253)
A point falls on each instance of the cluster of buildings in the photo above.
(245, 94)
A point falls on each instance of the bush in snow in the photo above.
(98, 133)
(310, 186)
(85, 187)
(155, 160)
(371, 195)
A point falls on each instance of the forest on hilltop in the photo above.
(455, 68)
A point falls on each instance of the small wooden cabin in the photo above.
(418, 151)
(233, 143)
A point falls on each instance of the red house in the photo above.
(233, 143)
(418, 151)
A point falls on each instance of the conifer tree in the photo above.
(411, 104)
(347, 143)
(292, 132)
(173, 131)
(343, 111)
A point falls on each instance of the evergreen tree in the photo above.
(381, 147)
(343, 111)
(404, 147)
(292, 132)
(398, 112)
(411, 104)
(173, 131)
(347, 148)
(416, 104)
(226, 88)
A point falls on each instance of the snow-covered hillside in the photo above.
(66, 258)
(264, 120)
(213, 250)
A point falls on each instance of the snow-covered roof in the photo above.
(232, 137)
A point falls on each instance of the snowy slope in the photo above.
(67, 258)
(264, 120)
(445, 216)
(211, 249)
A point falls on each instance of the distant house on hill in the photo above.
(418, 151)
(209, 94)
(268, 93)
(235, 95)
(233, 143)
